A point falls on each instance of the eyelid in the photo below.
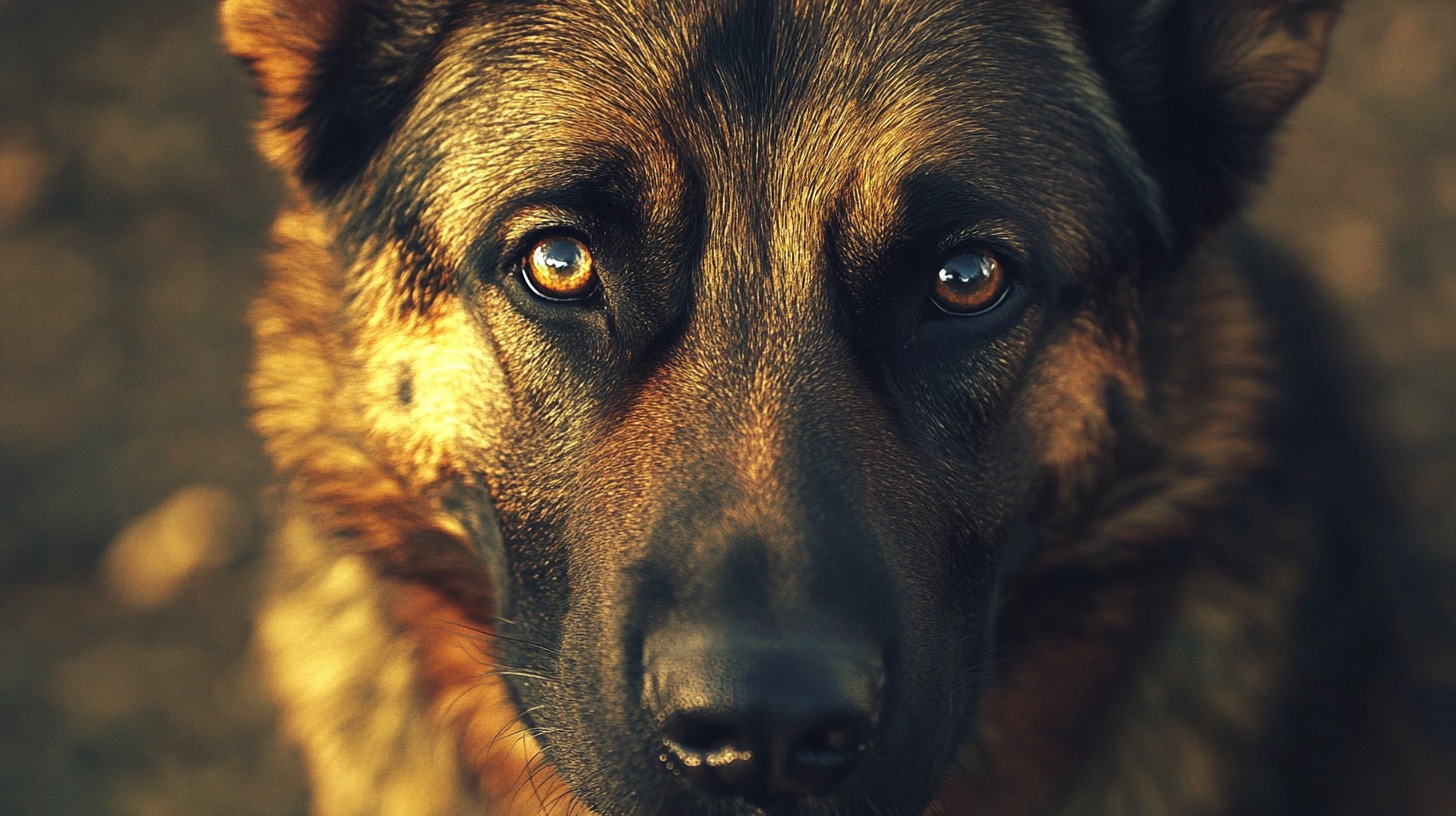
(525, 227)
(998, 237)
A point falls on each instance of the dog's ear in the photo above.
(1203, 84)
(334, 74)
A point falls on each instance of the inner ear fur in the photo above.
(1204, 84)
(334, 74)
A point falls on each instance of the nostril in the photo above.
(822, 755)
(696, 734)
(830, 744)
(699, 736)
(714, 753)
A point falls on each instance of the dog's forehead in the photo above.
(810, 96)
(771, 67)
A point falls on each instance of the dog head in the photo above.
(744, 335)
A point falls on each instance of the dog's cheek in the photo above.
(433, 394)
(1064, 410)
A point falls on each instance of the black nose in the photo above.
(763, 718)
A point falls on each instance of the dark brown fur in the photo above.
(1177, 587)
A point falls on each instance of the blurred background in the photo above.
(132, 218)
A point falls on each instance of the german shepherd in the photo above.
(799, 408)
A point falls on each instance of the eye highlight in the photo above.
(559, 268)
(970, 283)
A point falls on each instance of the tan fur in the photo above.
(1064, 408)
(413, 665)
(467, 697)
(329, 638)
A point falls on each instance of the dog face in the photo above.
(741, 336)
(757, 471)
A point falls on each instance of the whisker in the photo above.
(528, 675)
(493, 635)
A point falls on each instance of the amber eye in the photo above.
(970, 283)
(559, 268)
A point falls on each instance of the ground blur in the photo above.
(132, 215)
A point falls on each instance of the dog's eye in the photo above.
(970, 283)
(559, 268)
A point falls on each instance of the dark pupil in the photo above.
(967, 271)
(561, 255)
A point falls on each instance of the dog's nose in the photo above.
(762, 718)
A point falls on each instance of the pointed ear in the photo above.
(334, 75)
(1204, 84)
